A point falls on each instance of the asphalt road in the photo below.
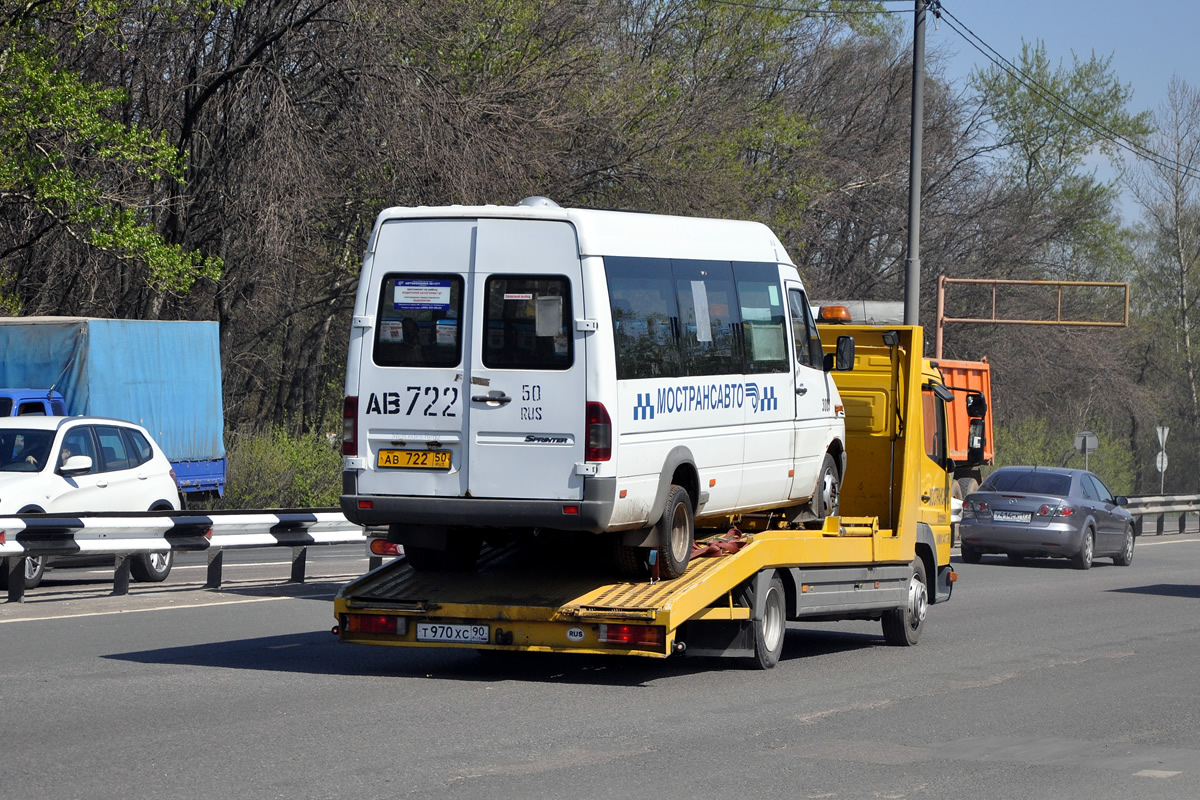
(1035, 681)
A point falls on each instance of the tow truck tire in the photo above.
(676, 534)
(769, 631)
(902, 626)
(151, 567)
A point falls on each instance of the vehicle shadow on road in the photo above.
(1164, 590)
(319, 653)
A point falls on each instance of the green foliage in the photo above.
(277, 470)
(1049, 140)
(66, 159)
(1030, 441)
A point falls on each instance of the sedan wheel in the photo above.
(1084, 558)
(1125, 557)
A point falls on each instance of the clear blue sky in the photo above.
(1148, 42)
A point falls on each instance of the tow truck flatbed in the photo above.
(515, 600)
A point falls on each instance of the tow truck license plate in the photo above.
(420, 459)
(1011, 516)
(471, 634)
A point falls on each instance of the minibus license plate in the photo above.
(415, 459)
(471, 634)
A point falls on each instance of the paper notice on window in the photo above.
(413, 294)
(700, 303)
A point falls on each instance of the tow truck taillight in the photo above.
(644, 635)
(350, 426)
(599, 433)
(375, 623)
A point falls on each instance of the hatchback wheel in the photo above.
(151, 567)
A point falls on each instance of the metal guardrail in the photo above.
(1159, 508)
(125, 535)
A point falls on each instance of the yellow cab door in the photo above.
(935, 479)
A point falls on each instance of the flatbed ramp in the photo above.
(523, 598)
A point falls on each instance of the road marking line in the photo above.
(1180, 541)
(1156, 773)
(160, 608)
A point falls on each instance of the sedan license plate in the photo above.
(1011, 516)
(414, 459)
(436, 632)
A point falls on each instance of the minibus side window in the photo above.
(710, 322)
(419, 320)
(645, 317)
(760, 301)
(808, 340)
(527, 322)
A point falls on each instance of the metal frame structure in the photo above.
(942, 319)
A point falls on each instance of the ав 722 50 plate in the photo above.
(418, 459)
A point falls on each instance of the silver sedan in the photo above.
(1044, 511)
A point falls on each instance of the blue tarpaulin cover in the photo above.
(163, 375)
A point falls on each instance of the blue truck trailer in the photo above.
(163, 375)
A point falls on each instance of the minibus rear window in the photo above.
(527, 322)
(420, 320)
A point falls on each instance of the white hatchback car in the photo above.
(80, 465)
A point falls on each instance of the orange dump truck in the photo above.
(971, 382)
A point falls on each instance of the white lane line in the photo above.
(161, 608)
(1177, 541)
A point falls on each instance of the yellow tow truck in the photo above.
(885, 557)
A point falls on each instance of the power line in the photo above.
(935, 7)
(1061, 104)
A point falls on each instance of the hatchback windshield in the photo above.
(24, 449)
(1030, 481)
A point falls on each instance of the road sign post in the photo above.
(1086, 442)
(1161, 460)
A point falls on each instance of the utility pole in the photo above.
(912, 264)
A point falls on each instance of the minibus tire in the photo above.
(825, 502)
(676, 534)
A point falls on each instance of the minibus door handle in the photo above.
(802, 390)
(500, 398)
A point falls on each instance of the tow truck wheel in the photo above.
(676, 533)
(769, 631)
(902, 626)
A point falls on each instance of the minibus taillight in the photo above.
(350, 426)
(599, 434)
